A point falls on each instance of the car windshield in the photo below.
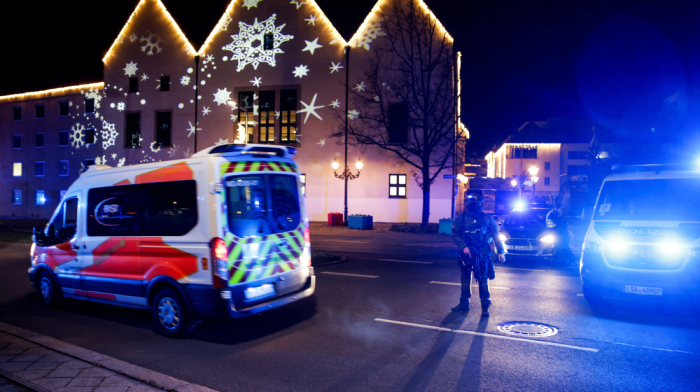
(261, 204)
(530, 219)
(644, 200)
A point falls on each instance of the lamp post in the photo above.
(533, 176)
(345, 176)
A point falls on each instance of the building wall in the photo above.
(502, 166)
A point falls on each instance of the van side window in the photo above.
(159, 209)
(64, 225)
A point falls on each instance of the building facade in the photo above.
(271, 71)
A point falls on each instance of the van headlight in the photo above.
(617, 246)
(671, 249)
(502, 237)
(548, 239)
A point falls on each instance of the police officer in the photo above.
(557, 223)
(473, 232)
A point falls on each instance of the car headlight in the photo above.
(671, 248)
(617, 246)
(502, 237)
(548, 239)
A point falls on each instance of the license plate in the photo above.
(643, 290)
(523, 248)
(260, 291)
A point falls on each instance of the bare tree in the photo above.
(406, 104)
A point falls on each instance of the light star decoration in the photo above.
(335, 67)
(360, 87)
(311, 46)
(311, 19)
(310, 109)
(300, 71)
(192, 129)
(256, 81)
(144, 77)
(335, 104)
(205, 111)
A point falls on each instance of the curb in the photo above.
(148, 377)
(22, 382)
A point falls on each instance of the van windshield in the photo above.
(650, 200)
(261, 204)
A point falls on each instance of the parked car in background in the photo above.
(524, 233)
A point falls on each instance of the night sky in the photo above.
(523, 59)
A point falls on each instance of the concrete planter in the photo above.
(360, 222)
(446, 226)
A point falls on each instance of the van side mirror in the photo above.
(38, 236)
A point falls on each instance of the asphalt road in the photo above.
(372, 326)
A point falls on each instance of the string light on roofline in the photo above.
(54, 91)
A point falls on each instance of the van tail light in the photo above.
(219, 257)
(306, 253)
(307, 236)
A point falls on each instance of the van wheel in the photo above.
(170, 313)
(48, 290)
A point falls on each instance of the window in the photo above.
(267, 117)
(158, 209)
(39, 168)
(17, 113)
(63, 108)
(39, 110)
(63, 138)
(134, 85)
(62, 194)
(523, 152)
(89, 105)
(90, 136)
(288, 104)
(398, 123)
(302, 180)
(268, 41)
(88, 162)
(163, 128)
(40, 199)
(62, 168)
(164, 82)
(546, 180)
(65, 223)
(39, 140)
(17, 197)
(133, 130)
(16, 142)
(578, 154)
(17, 169)
(547, 165)
(397, 186)
(245, 113)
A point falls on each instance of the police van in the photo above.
(643, 241)
(223, 233)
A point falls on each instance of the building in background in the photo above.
(271, 71)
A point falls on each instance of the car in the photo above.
(524, 233)
(222, 233)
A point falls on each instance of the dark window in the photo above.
(88, 162)
(39, 140)
(90, 136)
(398, 123)
(546, 180)
(66, 221)
(133, 85)
(576, 170)
(268, 41)
(164, 82)
(578, 154)
(397, 186)
(267, 117)
(288, 104)
(16, 142)
(245, 113)
(547, 165)
(133, 130)
(63, 168)
(158, 209)
(63, 108)
(39, 168)
(89, 105)
(163, 128)
(17, 197)
(523, 152)
(39, 110)
(63, 138)
(17, 113)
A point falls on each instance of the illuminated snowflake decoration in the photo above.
(109, 134)
(205, 111)
(311, 20)
(77, 135)
(192, 129)
(221, 97)
(173, 150)
(234, 117)
(155, 147)
(101, 160)
(208, 59)
(322, 142)
(224, 26)
(133, 37)
(152, 42)
(187, 153)
(144, 77)
(335, 67)
(370, 33)
(298, 3)
(221, 142)
(335, 104)
(185, 80)
(360, 87)
(121, 106)
(242, 45)
(251, 3)
(130, 69)
(353, 114)
(114, 156)
(121, 162)
(256, 81)
(96, 95)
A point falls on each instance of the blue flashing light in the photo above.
(291, 151)
(519, 206)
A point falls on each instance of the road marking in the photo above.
(334, 240)
(356, 275)
(654, 348)
(579, 295)
(488, 335)
(408, 261)
(459, 284)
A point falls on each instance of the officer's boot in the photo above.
(485, 308)
(462, 307)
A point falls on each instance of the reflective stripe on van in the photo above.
(258, 166)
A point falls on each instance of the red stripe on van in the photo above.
(177, 172)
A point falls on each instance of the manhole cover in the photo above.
(527, 329)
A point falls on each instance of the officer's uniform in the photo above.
(477, 231)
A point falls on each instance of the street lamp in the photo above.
(345, 176)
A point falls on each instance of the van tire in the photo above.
(170, 313)
(48, 290)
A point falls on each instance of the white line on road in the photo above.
(654, 348)
(459, 284)
(356, 275)
(334, 240)
(488, 335)
(408, 261)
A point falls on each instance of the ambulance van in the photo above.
(643, 241)
(223, 233)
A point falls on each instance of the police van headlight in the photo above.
(548, 239)
(617, 246)
(502, 237)
(671, 249)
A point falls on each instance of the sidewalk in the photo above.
(42, 364)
